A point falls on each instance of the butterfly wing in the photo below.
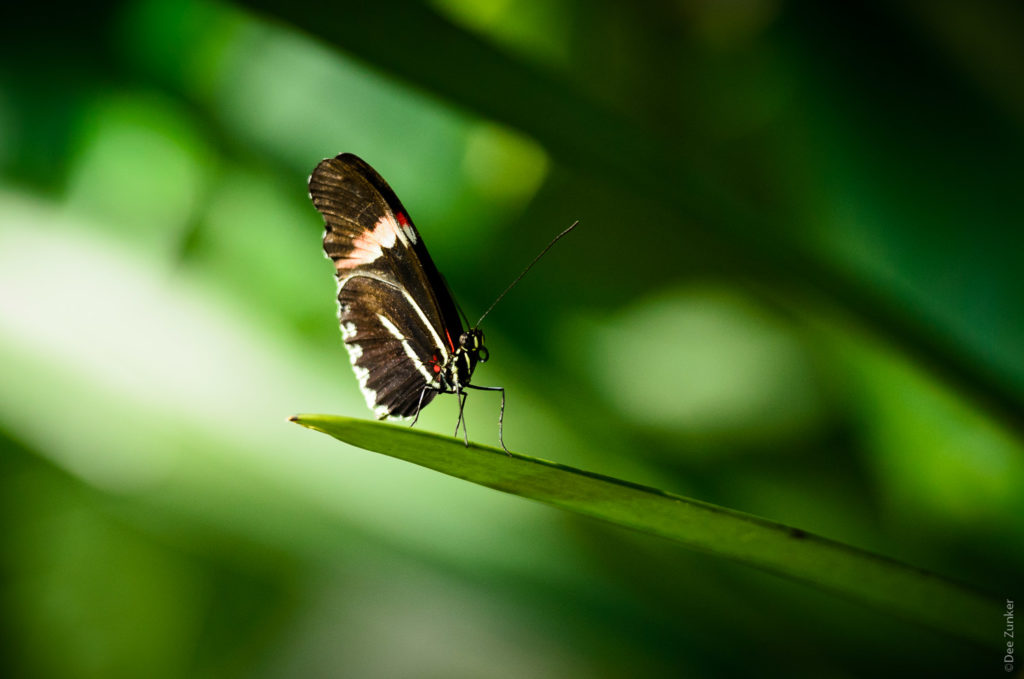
(397, 316)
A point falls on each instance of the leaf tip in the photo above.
(307, 421)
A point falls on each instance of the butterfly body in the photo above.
(400, 324)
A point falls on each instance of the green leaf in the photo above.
(880, 582)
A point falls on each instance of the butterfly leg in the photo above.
(462, 417)
(501, 413)
(419, 405)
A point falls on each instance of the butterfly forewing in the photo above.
(397, 316)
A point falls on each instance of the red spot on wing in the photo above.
(437, 368)
(450, 343)
(402, 219)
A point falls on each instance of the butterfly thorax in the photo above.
(468, 353)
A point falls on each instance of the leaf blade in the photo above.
(877, 581)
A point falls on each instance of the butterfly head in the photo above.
(468, 353)
(472, 343)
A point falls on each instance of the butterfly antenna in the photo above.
(528, 267)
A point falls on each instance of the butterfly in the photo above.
(399, 321)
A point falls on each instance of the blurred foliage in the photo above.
(795, 292)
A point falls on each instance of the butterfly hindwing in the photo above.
(396, 314)
(392, 354)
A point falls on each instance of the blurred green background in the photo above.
(795, 291)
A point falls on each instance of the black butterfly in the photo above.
(399, 321)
